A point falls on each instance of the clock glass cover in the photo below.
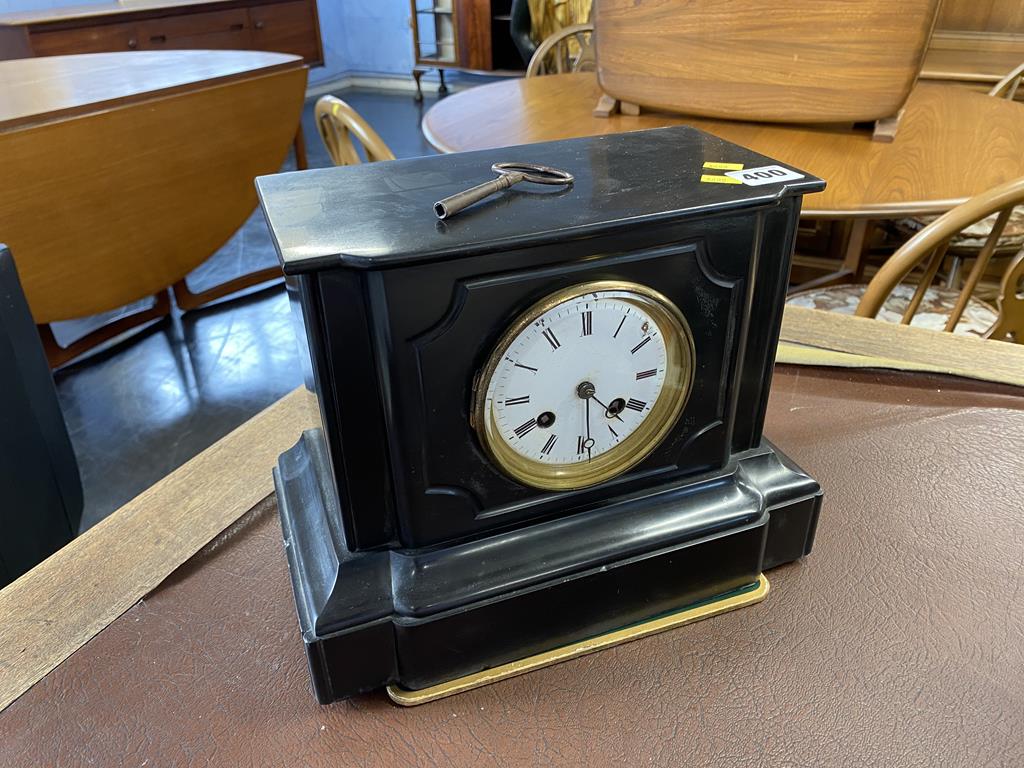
(584, 385)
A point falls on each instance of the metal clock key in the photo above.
(509, 174)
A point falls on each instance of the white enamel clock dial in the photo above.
(584, 385)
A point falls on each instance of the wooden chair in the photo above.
(571, 49)
(338, 123)
(1007, 87)
(885, 297)
(802, 61)
(967, 243)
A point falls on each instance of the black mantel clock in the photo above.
(541, 419)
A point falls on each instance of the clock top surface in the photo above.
(380, 215)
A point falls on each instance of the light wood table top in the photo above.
(39, 89)
(952, 143)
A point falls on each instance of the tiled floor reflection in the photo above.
(144, 407)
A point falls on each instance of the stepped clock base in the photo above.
(739, 598)
(434, 621)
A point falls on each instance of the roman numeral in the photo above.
(588, 323)
(525, 428)
(613, 431)
(642, 375)
(634, 350)
(616, 334)
(552, 339)
(549, 445)
(516, 400)
(636, 405)
(579, 444)
(527, 367)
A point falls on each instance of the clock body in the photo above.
(452, 511)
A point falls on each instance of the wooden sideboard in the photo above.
(281, 26)
(471, 35)
(975, 42)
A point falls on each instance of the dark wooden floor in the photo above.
(143, 407)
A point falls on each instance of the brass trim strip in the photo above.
(409, 698)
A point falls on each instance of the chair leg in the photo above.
(852, 269)
(606, 106)
(956, 264)
(854, 258)
(442, 90)
(416, 75)
(885, 128)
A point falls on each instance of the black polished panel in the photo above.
(401, 534)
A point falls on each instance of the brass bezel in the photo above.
(679, 372)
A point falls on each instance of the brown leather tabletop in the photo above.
(899, 641)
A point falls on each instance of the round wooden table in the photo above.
(952, 143)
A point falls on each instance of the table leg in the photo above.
(416, 75)
(301, 161)
(57, 355)
(852, 268)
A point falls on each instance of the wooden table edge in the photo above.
(41, 118)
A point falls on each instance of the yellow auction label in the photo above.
(717, 178)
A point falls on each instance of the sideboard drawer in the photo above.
(288, 27)
(98, 38)
(212, 29)
(285, 26)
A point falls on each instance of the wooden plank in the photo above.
(900, 346)
(58, 606)
(797, 354)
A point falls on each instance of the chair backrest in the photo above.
(40, 487)
(338, 123)
(787, 60)
(519, 27)
(571, 49)
(928, 248)
(1007, 87)
(1010, 323)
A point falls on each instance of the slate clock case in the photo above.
(415, 556)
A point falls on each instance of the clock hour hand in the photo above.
(607, 411)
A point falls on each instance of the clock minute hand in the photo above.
(589, 442)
